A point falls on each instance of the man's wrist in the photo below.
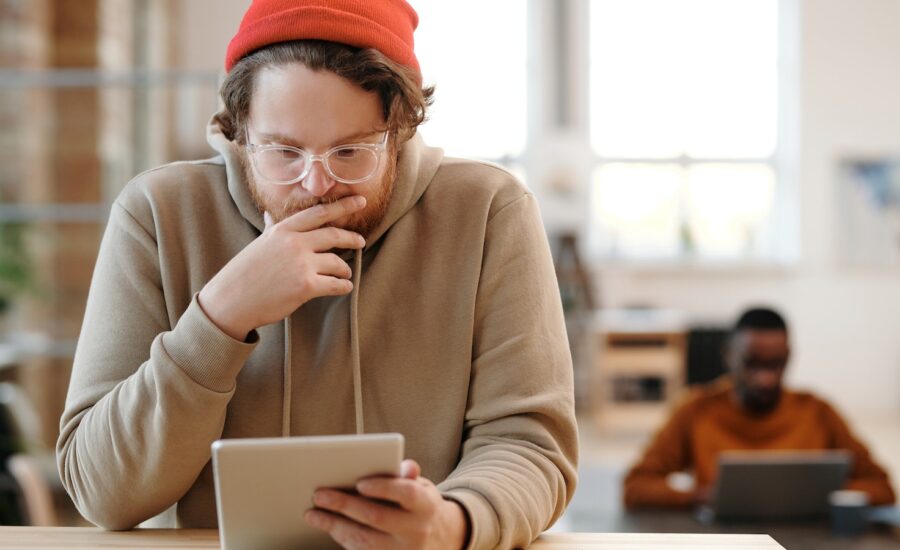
(459, 524)
(208, 305)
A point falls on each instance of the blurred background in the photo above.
(691, 158)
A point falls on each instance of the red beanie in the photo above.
(386, 25)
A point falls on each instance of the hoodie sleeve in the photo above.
(518, 467)
(866, 475)
(646, 484)
(146, 399)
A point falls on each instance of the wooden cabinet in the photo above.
(639, 368)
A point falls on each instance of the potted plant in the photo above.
(16, 273)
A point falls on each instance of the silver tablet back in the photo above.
(263, 486)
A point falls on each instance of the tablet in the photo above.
(264, 486)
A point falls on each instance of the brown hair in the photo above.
(403, 100)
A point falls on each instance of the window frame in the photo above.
(571, 36)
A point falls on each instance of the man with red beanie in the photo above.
(327, 273)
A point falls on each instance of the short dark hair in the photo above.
(403, 100)
(760, 318)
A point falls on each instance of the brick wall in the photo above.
(74, 146)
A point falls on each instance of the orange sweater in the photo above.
(711, 421)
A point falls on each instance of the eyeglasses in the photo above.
(285, 165)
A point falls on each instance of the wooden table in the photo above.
(58, 538)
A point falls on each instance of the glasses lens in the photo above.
(352, 163)
(279, 164)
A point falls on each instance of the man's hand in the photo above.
(285, 267)
(702, 495)
(404, 512)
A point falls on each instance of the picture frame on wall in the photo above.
(868, 212)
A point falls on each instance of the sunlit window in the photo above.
(684, 120)
(478, 68)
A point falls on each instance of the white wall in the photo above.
(206, 28)
(846, 324)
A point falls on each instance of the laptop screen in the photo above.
(777, 484)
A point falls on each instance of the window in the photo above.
(684, 125)
(478, 68)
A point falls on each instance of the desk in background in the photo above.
(796, 535)
(60, 538)
(596, 507)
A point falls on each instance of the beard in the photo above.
(759, 401)
(362, 222)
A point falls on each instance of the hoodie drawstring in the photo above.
(286, 404)
(354, 342)
(354, 356)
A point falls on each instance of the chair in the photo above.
(27, 469)
(705, 362)
(30, 473)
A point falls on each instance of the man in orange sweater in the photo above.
(748, 410)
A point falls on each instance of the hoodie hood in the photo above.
(416, 166)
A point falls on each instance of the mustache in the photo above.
(291, 205)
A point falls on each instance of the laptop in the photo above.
(263, 486)
(767, 485)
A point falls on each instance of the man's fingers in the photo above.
(327, 238)
(365, 511)
(410, 469)
(408, 493)
(326, 285)
(347, 533)
(317, 216)
(331, 264)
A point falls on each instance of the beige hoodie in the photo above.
(453, 336)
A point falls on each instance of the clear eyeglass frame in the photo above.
(376, 148)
